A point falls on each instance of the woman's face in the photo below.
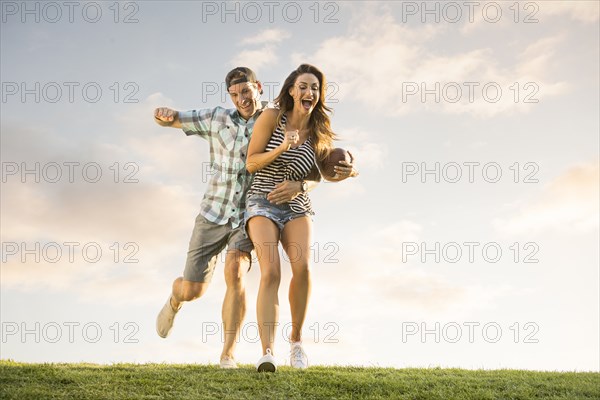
(305, 93)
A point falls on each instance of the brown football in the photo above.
(332, 160)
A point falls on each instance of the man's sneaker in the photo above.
(266, 363)
(166, 316)
(298, 358)
(228, 363)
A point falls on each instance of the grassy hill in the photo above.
(161, 381)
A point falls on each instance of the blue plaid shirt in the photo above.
(228, 135)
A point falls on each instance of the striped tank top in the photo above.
(292, 165)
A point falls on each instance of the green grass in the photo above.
(164, 381)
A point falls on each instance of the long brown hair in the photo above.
(319, 125)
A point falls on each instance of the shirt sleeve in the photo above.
(196, 122)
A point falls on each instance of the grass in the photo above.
(166, 381)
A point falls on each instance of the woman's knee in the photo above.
(270, 277)
(301, 270)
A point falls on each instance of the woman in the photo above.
(285, 144)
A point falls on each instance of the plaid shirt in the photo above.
(228, 136)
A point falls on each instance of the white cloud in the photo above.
(103, 282)
(267, 36)
(346, 189)
(368, 154)
(537, 58)
(390, 236)
(584, 11)
(155, 214)
(146, 225)
(262, 56)
(255, 59)
(417, 288)
(407, 66)
(382, 274)
(167, 153)
(568, 204)
(102, 211)
(410, 288)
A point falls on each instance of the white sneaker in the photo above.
(228, 363)
(298, 358)
(165, 318)
(266, 363)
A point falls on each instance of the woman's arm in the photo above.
(264, 127)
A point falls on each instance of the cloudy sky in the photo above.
(470, 238)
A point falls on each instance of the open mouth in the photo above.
(307, 104)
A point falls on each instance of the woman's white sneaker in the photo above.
(266, 363)
(298, 358)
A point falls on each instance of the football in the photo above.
(332, 160)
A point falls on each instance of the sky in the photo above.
(469, 239)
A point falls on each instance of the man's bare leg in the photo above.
(184, 290)
(234, 304)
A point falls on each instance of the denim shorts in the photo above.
(280, 214)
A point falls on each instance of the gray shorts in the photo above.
(208, 240)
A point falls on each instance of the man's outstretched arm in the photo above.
(167, 117)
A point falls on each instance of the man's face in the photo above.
(245, 98)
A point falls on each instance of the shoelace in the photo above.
(298, 353)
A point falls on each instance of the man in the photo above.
(219, 223)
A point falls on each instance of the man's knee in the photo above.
(193, 290)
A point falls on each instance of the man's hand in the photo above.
(284, 192)
(165, 116)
